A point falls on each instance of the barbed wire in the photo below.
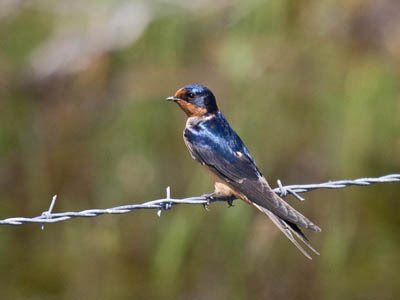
(167, 203)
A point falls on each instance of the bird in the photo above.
(213, 143)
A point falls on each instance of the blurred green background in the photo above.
(312, 87)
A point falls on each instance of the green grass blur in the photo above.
(312, 87)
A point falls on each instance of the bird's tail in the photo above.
(288, 228)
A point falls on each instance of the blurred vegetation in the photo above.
(313, 89)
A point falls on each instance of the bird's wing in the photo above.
(227, 157)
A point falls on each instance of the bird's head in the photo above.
(195, 100)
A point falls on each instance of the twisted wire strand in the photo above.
(167, 203)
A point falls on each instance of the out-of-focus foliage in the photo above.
(312, 87)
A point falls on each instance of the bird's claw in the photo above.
(228, 199)
(213, 198)
(210, 198)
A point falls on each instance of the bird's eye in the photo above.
(190, 95)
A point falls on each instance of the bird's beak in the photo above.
(173, 98)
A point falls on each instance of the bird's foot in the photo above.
(210, 198)
(213, 198)
(230, 200)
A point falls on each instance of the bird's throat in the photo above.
(191, 110)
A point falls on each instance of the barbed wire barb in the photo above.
(47, 213)
(49, 216)
(285, 190)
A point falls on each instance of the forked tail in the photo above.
(288, 228)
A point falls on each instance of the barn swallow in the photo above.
(215, 145)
